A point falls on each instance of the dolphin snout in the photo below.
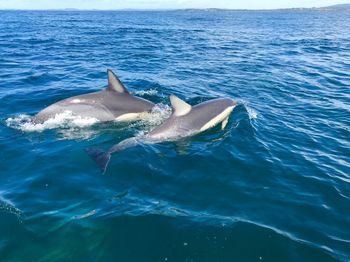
(233, 102)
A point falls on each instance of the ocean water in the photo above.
(273, 186)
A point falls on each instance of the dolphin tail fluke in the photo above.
(101, 157)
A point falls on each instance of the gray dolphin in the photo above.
(112, 103)
(184, 121)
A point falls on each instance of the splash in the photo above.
(150, 92)
(159, 113)
(252, 113)
(65, 119)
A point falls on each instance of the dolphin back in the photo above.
(113, 103)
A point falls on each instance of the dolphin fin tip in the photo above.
(179, 106)
(114, 83)
(100, 157)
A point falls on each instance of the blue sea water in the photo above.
(273, 186)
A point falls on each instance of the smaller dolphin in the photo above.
(184, 121)
(113, 103)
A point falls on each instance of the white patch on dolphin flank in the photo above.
(76, 101)
(224, 123)
(219, 118)
(130, 116)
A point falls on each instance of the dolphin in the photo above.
(185, 120)
(113, 103)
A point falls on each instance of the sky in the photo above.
(163, 4)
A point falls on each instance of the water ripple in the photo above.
(277, 178)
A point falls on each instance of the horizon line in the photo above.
(334, 7)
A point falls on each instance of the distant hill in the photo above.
(339, 6)
(69, 9)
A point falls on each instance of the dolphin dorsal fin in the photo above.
(180, 107)
(114, 84)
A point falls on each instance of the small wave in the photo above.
(252, 113)
(8, 207)
(88, 214)
(66, 119)
(150, 92)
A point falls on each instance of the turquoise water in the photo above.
(273, 186)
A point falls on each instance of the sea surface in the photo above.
(274, 185)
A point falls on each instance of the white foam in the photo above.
(252, 113)
(65, 119)
(159, 113)
(146, 92)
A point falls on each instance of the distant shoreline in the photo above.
(187, 9)
(338, 7)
